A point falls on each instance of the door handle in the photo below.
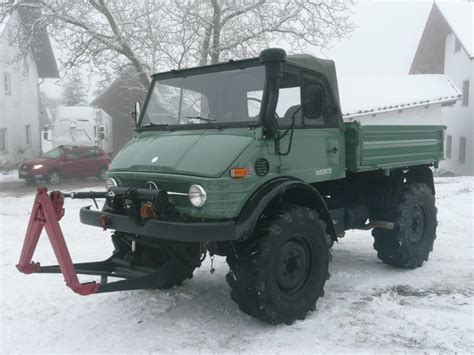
(334, 150)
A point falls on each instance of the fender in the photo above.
(421, 174)
(289, 190)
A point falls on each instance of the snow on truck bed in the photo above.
(368, 306)
(366, 96)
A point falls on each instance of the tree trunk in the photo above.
(143, 76)
(216, 33)
(205, 45)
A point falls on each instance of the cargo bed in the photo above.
(374, 147)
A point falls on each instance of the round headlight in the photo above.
(197, 195)
(111, 182)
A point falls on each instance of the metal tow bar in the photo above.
(46, 213)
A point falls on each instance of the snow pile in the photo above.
(362, 96)
(9, 176)
(460, 17)
(368, 306)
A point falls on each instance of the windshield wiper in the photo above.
(208, 120)
(151, 124)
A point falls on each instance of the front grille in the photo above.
(25, 167)
(161, 183)
(224, 196)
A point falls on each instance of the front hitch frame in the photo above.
(48, 209)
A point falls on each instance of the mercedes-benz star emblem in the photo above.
(150, 185)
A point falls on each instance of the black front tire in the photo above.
(280, 273)
(410, 244)
(54, 177)
(186, 257)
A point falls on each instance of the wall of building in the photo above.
(458, 118)
(19, 104)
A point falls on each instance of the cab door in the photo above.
(316, 151)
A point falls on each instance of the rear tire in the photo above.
(410, 244)
(280, 273)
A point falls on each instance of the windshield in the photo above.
(231, 96)
(54, 153)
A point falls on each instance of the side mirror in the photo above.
(313, 101)
(101, 133)
(45, 135)
(136, 114)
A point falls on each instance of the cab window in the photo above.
(289, 98)
(316, 96)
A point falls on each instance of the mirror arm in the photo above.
(136, 115)
(292, 129)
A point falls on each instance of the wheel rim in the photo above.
(417, 226)
(53, 178)
(294, 265)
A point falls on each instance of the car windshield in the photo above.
(54, 153)
(231, 96)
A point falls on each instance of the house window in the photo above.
(449, 146)
(457, 45)
(462, 149)
(3, 139)
(7, 84)
(465, 92)
(28, 134)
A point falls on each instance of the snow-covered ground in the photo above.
(9, 176)
(368, 306)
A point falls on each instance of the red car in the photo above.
(65, 162)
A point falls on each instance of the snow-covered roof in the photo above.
(460, 17)
(362, 96)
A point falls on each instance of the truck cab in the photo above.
(231, 128)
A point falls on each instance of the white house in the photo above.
(20, 135)
(447, 47)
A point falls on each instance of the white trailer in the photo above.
(82, 126)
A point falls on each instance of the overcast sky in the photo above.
(384, 41)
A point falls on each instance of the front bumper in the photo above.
(37, 174)
(178, 231)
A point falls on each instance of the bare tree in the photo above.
(244, 28)
(74, 90)
(154, 35)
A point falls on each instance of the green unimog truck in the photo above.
(252, 160)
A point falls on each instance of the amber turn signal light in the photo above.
(241, 172)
